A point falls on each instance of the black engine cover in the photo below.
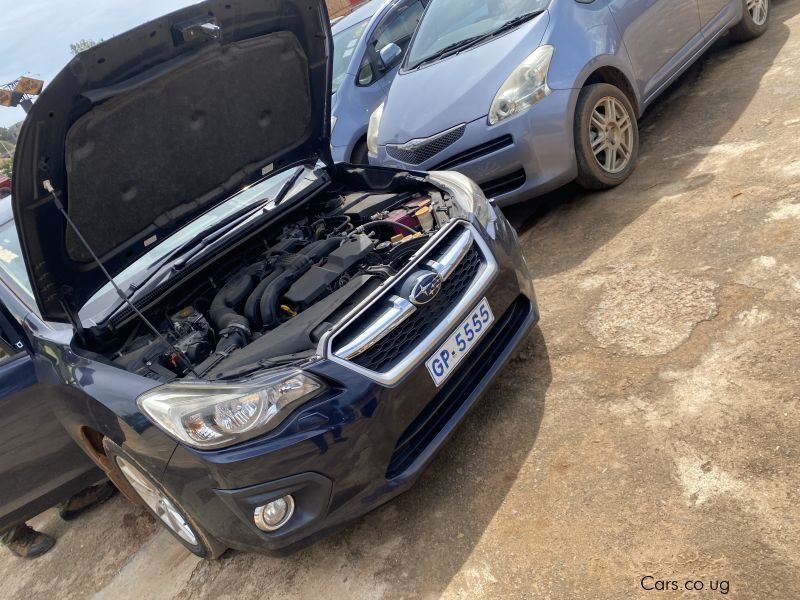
(318, 279)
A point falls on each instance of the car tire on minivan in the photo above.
(163, 505)
(360, 154)
(755, 20)
(606, 136)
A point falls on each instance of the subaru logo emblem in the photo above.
(425, 288)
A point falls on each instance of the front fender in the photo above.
(598, 45)
(89, 393)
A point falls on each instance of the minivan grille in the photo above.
(417, 152)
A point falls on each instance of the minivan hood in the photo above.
(457, 89)
(144, 132)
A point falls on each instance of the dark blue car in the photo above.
(40, 464)
(257, 343)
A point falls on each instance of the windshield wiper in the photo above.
(197, 243)
(508, 25)
(456, 47)
(204, 238)
(449, 50)
(222, 227)
(288, 186)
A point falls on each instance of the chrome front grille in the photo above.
(418, 151)
(391, 335)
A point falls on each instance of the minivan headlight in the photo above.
(374, 129)
(213, 415)
(524, 87)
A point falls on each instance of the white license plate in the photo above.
(463, 339)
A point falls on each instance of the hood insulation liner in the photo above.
(164, 147)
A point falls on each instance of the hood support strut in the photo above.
(73, 315)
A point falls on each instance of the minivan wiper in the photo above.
(449, 50)
(508, 25)
(477, 39)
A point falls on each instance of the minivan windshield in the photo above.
(344, 45)
(447, 23)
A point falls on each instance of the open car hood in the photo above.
(143, 133)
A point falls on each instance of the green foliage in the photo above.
(6, 135)
(81, 45)
(7, 167)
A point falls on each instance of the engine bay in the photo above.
(271, 306)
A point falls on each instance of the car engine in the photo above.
(274, 308)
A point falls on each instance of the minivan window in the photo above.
(449, 22)
(344, 45)
(400, 26)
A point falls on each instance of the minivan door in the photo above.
(654, 33)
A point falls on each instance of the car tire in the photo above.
(360, 154)
(162, 504)
(606, 137)
(755, 20)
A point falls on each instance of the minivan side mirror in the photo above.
(390, 55)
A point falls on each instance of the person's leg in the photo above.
(26, 542)
(86, 499)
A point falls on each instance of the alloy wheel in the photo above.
(611, 135)
(759, 10)
(157, 502)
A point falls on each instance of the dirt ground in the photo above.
(649, 427)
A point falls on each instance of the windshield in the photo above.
(448, 22)
(344, 45)
(254, 195)
(12, 263)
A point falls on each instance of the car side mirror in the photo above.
(390, 55)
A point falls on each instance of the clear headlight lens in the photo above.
(524, 88)
(210, 415)
(333, 123)
(466, 195)
(374, 129)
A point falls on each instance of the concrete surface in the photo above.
(650, 427)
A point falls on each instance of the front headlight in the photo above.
(213, 415)
(333, 123)
(374, 129)
(524, 87)
(466, 195)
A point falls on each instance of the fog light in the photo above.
(275, 514)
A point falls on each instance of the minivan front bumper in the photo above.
(525, 156)
(364, 441)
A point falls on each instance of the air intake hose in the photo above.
(289, 269)
(233, 328)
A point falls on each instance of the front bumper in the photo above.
(360, 444)
(525, 156)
